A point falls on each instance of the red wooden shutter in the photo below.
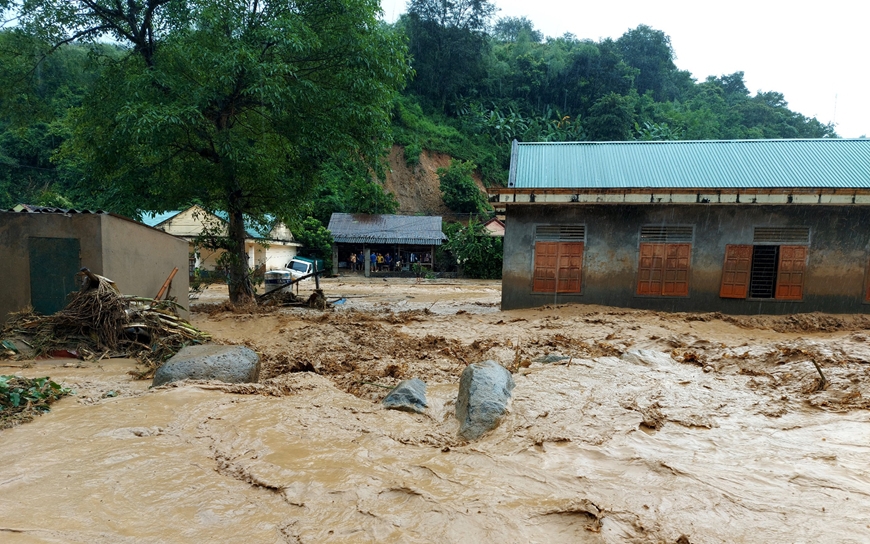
(570, 266)
(650, 269)
(546, 260)
(676, 274)
(791, 272)
(735, 273)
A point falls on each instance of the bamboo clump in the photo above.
(98, 321)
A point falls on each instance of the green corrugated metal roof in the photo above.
(820, 163)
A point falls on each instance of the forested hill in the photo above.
(478, 83)
(495, 81)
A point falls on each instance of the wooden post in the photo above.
(316, 276)
(335, 259)
(367, 257)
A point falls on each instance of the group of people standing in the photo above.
(386, 262)
(379, 262)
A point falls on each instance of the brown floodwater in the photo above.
(596, 448)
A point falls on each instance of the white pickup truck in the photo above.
(299, 267)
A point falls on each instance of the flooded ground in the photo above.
(723, 432)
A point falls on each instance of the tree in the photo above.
(475, 252)
(448, 42)
(458, 189)
(611, 119)
(232, 104)
(348, 187)
(316, 241)
(649, 51)
(509, 29)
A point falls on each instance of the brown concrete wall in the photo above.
(16, 228)
(837, 261)
(139, 258)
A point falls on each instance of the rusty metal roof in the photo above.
(30, 208)
(349, 228)
(817, 163)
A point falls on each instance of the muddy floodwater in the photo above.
(722, 431)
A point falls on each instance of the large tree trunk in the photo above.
(241, 288)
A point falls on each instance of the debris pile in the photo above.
(100, 322)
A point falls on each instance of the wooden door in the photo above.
(736, 271)
(791, 272)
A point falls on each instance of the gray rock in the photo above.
(408, 396)
(484, 392)
(551, 358)
(648, 357)
(230, 364)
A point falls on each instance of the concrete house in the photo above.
(272, 251)
(44, 248)
(742, 227)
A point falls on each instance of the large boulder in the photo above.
(230, 364)
(484, 392)
(408, 396)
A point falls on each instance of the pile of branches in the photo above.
(100, 322)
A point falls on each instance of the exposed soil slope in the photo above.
(417, 188)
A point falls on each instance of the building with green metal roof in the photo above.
(739, 226)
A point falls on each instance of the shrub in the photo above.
(476, 253)
(458, 189)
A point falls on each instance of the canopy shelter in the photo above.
(407, 239)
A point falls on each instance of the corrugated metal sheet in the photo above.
(820, 163)
(30, 208)
(386, 229)
(154, 219)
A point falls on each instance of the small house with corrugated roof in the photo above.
(265, 251)
(739, 226)
(44, 248)
(407, 239)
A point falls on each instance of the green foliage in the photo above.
(36, 95)
(568, 89)
(284, 109)
(449, 45)
(436, 132)
(514, 29)
(316, 241)
(458, 189)
(412, 153)
(232, 104)
(21, 398)
(475, 253)
(649, 51)
(611, 118)
(346, 186)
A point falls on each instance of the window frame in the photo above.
(792, 239)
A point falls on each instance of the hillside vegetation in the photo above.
(477, 84)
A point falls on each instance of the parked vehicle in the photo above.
(297, 268)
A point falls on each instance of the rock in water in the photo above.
(230, 364)
(484, 391)
(408, 396)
